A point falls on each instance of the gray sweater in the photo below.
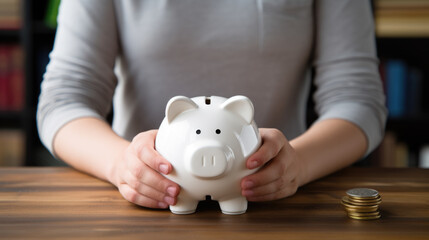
(140, 53)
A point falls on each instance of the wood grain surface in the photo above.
(61, 203)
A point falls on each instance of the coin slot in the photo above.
(208, 101)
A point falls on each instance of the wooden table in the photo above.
(61, 203)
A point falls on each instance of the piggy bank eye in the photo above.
(217, 131)
(198, 131)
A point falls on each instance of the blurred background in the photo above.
(27, 31)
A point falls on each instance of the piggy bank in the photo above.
(207, 140)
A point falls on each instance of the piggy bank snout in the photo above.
(208, 159)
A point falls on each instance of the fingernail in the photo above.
(248, 184)
(162, 205)
(169, 200)
(163, 168)
(172, 191)
(253, 164)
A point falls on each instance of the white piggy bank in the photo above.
(207, 140)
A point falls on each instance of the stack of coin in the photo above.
(362, 203)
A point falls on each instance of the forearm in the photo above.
(328, 146)
(91, 146)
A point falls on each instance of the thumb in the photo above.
(144, 146)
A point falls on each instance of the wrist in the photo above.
(117, 165)
(302, 178)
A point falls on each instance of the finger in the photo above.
(144, 147)
(133, 196)
(160, 183)
(267, 174)
(285, 192)
(276, 186)
(271, 145)
(155, 161)
(148, 191)
(269, 188)
(140, 174)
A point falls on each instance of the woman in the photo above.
(141, 53)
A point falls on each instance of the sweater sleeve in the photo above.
(79, 79)
(347, 80)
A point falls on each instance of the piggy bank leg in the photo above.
(185, 204)
(233, 206)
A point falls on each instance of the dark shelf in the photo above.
(410, 49)
(10, 32)
(11, 119)
(41, 28)
(411, 129)
(10, 36)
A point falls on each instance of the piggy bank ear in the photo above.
(240, 105)
(178, 105)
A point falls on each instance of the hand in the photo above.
(278, 177)
(138, 174)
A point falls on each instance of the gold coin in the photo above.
(357, 211)
(365, 218)
(365, 198)
(360, 211)
(361, 203)
(360, 208)
(351, 205)
(366, 214)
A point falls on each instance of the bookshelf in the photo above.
(38, 41)
(12, 136)
(30, 33)
(402, 30)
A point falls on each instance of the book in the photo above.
(4, 77)
(11, 78)
(385, 154)
(404, 86)
(414, 92)
(392, 152)
(401, 155)
(424, 157)
(12, 147)
(52, 13)
(10, 14)
(402, 18)
(396, 77)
